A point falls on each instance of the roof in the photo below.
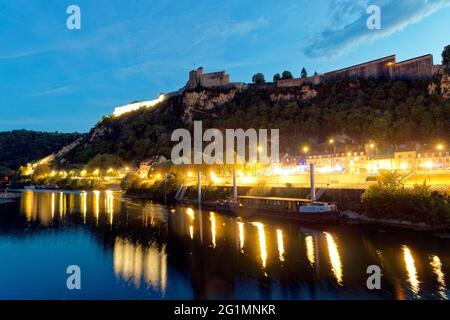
(275, 198)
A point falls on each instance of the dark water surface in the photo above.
(129, 249)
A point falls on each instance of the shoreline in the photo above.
(346, 216)
(8, 197)
(352, 217)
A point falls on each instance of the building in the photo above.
(197, 78)
(402, 161)
(339, 162)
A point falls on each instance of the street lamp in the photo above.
(305, 149)
(440, 147)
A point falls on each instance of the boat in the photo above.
(277, 207)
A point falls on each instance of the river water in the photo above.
(131, 249)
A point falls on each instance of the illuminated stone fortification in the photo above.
(386, 67)
(197, 78)
(138, 105)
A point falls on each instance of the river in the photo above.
(133, 249)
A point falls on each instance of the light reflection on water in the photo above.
(158, 252)
(133, 262)
(411, 271)
(335, 259)
(310, 250)
(440, 277)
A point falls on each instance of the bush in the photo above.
(389, 199)
(260, 190)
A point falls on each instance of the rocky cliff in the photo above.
(385, 110)
(445, 86)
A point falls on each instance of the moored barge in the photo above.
(277, 207)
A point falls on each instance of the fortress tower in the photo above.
(197, 78)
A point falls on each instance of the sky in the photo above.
(56, 79)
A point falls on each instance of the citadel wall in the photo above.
(416, 68)
(376, 68)
(298, 82)
(197, 78)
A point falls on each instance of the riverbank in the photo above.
(354, 217)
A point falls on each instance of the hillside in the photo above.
(20, 147)
(389, 112)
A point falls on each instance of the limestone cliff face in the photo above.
(205, 100)
(432, 88)
(304, 93)
(445, 86)
(61, 153)
(97, 132)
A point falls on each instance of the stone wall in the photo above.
(416, 68)
(377, 68)
(197, 78)
(298, 82)
(215, 79)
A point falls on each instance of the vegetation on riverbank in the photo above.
(389, 199)
(158, 189)
(102, 170)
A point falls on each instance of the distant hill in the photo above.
(20, 147)
(382, 110)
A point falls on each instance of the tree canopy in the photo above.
(258, 78)
(446, 57)
(276, 77)
(286, 75)
(104, 162)
(304, 73)
(20, 147)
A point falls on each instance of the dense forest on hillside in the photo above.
(20, 147)
(388, 112)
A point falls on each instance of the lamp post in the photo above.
(333, 151)
(374, 146)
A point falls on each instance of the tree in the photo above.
(286, 75)
(258, 78)
(5, 172)
(304, 73)
(276, 77)
(104, 162)
(41, 170)
(446, 58)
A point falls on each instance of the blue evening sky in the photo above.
(56, 79)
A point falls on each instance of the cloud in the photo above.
(202, 42)
(243, 27)
(395, 16)
(55, 91)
